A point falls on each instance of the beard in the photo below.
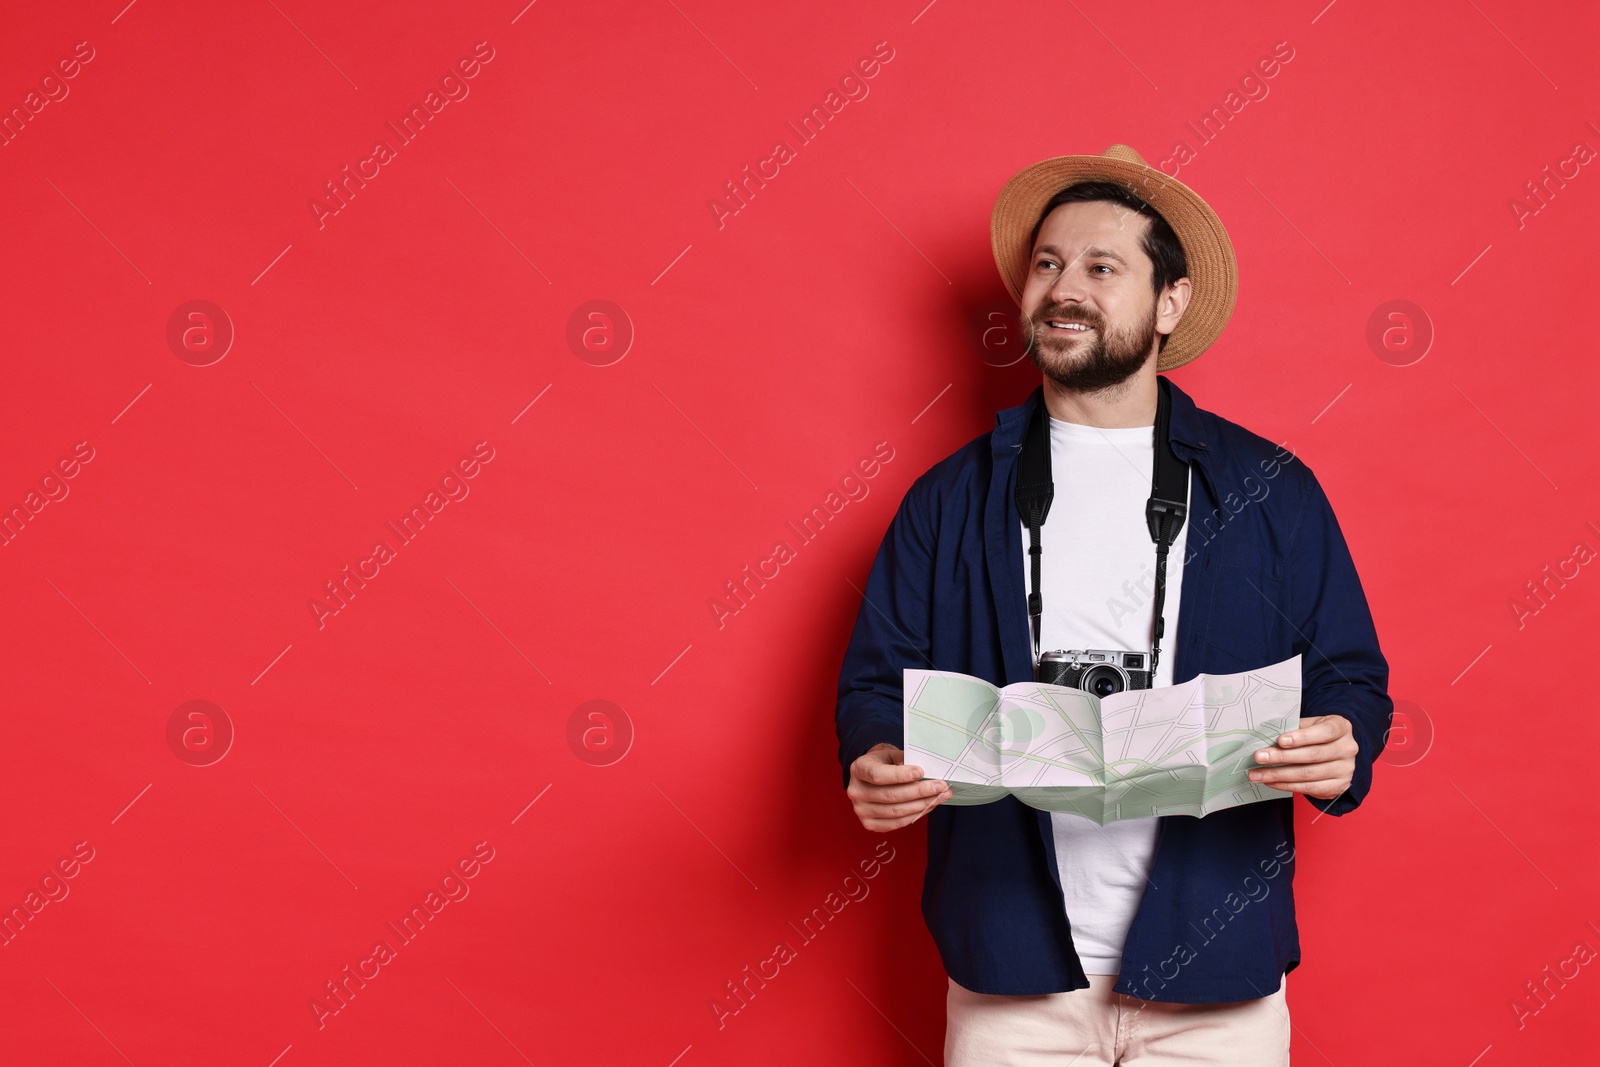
(1085, 363)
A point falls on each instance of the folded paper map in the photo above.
(1178, 750)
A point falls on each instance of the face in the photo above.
(1089, 318)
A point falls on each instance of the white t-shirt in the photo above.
(1098, 582)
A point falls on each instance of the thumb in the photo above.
(884, 764)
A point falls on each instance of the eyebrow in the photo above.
(1092, 252)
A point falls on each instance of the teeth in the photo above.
(1068, 326)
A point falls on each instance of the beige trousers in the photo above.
(1096, 1027)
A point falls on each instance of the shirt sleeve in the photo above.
(1343, 670)
(892, 632)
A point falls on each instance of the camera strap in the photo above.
(1164, 511)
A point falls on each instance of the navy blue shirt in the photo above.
(1266, 576)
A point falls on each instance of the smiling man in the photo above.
(1146, 941)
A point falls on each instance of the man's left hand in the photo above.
(1317, 758)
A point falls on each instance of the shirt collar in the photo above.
(1185, 430)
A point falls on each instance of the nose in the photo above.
(1068, 287)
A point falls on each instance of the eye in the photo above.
(1098, 266)
(1044, 263)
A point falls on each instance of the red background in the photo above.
(840, 307)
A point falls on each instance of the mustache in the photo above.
(1067, 315)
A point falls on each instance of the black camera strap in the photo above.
(1164, 511)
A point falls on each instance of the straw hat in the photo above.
(1213, 274)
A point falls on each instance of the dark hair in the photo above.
(1160, 243)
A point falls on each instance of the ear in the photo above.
(1171, 303)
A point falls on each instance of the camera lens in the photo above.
(1103, 681)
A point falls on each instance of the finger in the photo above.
(1317, 730)
(885, 825)
(895, 811)
(873, 770)
(1307, 772)
(1335, 750)
(891, 794)
(1332, 787)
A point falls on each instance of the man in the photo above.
(1146, 941)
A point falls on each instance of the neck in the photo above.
(1127, 404)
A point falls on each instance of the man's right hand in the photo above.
(887, 794)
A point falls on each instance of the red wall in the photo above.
(440, 721)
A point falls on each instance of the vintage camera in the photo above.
(1100, 671)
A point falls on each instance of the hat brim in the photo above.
(1213, 272)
